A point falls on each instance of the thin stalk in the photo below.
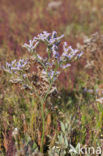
(43, 127)
(43, 118)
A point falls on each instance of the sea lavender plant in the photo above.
(52, 64)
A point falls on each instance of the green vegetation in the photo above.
(73, 115)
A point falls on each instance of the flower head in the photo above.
(50, 65)
(15, 66)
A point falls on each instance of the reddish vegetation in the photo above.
(21, 20)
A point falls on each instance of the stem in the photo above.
(43, 128)
(43, 118)
(42, 100)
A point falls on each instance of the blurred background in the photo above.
(20, 21)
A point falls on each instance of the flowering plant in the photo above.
(48, 67)
(51, 64)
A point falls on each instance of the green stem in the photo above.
(43, 128)
(43, 119)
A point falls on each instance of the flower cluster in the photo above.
(51, 74)
(45, 37)
(69, 53)
(15, 66)
(52, 63)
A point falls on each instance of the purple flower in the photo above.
(8, 65)
(21, 64)
(65, 66)
(55, 54)
(43, 36)
(54, 34)
(31, 46)
(15, 66)
(55, 40)
(53, 75)
(54, 51)
(50, 39)
(69, 53)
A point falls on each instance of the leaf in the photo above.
(34, 145)
(62, 127)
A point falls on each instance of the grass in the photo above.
(18, 109)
